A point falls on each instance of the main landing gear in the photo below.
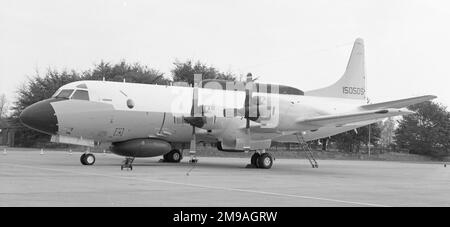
(87, 159)
(262, 160)
(174, 156)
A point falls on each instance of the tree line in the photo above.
(427, 132)
(40, 87)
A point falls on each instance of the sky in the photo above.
(305, 44)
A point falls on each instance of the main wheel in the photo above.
(173, 156)
(87, 159)
(254, 159)
(265, 161)
(82, 159)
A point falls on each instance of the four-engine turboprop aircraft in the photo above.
(142, 120)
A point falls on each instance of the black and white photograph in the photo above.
(241, 106)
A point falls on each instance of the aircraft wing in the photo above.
(348, 118)
(398, 103)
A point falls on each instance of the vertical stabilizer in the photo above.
(352, 85)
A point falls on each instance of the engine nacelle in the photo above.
(141, 148)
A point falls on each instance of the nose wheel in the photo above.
(87, 159)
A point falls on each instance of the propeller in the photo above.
(249, 86)
(196, 119)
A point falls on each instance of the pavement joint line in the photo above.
(205, 186)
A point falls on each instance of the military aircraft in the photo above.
(147, 120)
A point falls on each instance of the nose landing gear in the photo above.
(127, 163)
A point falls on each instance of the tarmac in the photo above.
(56, 178)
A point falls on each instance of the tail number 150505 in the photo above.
(353, 90)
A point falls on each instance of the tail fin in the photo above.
(352, 85)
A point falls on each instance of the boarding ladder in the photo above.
(303, 145)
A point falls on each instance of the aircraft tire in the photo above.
(82, 157)
(173, 156)
(87, 159)
(265, 161)
(254, 159)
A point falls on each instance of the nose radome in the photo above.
(40, 117)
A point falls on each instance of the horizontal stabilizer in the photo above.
(401, 103)
(342, 119)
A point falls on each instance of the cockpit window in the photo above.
(57, 92)
(81, 95)
(82, 86)
(65, 94)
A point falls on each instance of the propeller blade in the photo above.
(193, 142)
(248, 102)
(248, 96)
(249, 77)
(196, 118)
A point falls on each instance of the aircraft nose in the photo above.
(40, 117)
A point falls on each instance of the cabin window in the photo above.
(65, 94)
(81, 95)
